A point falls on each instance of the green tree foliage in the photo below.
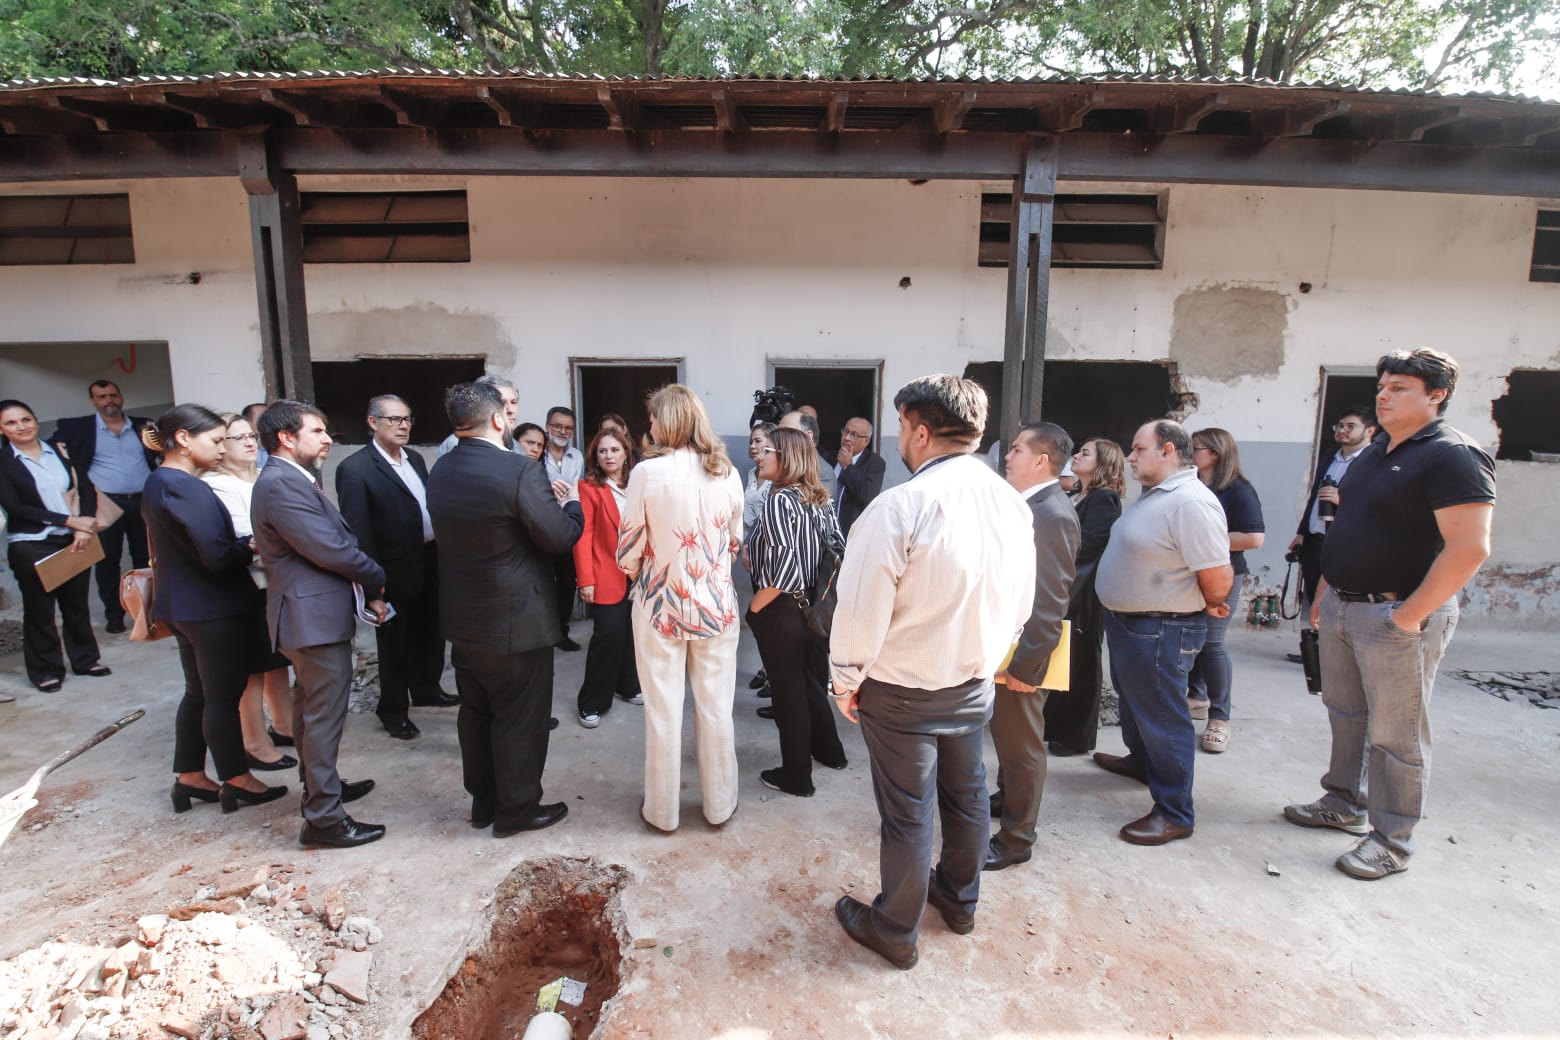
(1428, 44)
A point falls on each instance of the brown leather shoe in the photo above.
(1153, 829)
(1121, 765)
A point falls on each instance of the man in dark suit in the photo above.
(107, 445)
(312, 561)
(1034, 465)
(495, 514)
(382, 492)
(859, 472)
(1354, 430)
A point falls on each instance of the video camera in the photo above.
(770, 405)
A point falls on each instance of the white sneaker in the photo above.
(589, 719)
(637, 698)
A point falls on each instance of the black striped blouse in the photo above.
(784, 545)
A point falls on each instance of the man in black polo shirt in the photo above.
(1413, 526)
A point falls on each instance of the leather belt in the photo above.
(1155, 614)
(1367, 597)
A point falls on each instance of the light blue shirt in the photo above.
(119, 463)
(52, 478)
(1335, 470)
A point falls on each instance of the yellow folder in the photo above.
(1058, 673)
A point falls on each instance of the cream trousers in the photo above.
(710, 667)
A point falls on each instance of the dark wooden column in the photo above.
(278, 244)
(1029, 286)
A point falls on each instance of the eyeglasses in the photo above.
(241, 437)
(853, 435)
(1344, 427)
(561, 428)
(767, 450)
(396, 420)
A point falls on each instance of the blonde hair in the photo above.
(682, 422)
(798, 465)
(1109, 467)
(249, 472)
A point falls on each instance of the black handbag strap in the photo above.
(1283, 596)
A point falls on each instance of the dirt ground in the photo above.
(1244, 929)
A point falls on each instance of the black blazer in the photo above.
(19, 495)
(80, 436)
(1322, 465)
(859, 485)
(1097, 513)
(1057, 540)
(383, 514)
(498, 527)
(202, 566)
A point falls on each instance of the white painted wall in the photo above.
(727, 274)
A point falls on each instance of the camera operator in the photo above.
(770, 405)
(1355, 428)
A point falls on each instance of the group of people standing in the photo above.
(953, 590)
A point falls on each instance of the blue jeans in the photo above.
(1376, 683)
(927, 749)
(1150, 659)
(1212, 674)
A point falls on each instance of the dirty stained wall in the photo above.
(1259, 290)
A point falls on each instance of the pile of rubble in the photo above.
(253, 956)
(1542, 689)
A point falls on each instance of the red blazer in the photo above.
(595, 554)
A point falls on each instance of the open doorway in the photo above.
(841, 391)
(618, 386)
(53, 377)
(1344, 386)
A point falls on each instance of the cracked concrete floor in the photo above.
(1092, 936)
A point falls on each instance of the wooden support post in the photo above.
(1029, 287)
(278, 246)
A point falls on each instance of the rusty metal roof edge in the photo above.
(418, 72)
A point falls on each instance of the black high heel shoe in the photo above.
(182, 793)
(278, 739)
(233, 797)
(285, 762)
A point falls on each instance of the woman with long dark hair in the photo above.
(50, 506)
(609, 662)
(1072, 720)
(785, 548)
(205, 594)
(682, 521)
(1218, 465)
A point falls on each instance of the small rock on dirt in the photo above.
(286, 1020)
(151, 927)
(349, 975)
(335, 909)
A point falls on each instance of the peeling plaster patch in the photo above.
(1225, 332)
(423, 330)
(1511, 594)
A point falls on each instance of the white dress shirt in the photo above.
(937, 581)
(414, 484)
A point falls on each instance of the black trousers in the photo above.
(563, 570)
(802, 710)
(1310, 572)
(216, 670)
(411, 650)
(505, 706)
(40, 639)
(1072, 719)
(609, 661)
(132, 528)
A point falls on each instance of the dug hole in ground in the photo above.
(119, 918)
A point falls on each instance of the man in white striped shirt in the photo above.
(937, 580)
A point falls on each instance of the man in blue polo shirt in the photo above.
(1413, 525)
(108, 446)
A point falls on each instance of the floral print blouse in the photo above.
(679, 527)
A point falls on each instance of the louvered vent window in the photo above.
(1546, 247)
(1119, 231)
(403, 227)
(65, 229)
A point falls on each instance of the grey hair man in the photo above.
(935, 586)
(1166, 569)
(511, 411)
(1413, 526)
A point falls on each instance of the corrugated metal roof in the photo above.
(419, 72)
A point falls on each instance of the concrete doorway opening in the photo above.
(840, 392)
(552, 918)
(620, 387)
(1344, 387)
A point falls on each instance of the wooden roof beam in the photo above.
(622, 111)
(1072, 111)
(501, 109)
(728, 114)
(305, 111)
(1298, 121)
(410, 109)
(834, 116)
(1186, 116)
(79, 108)
(211, 114)
(948, 114)
(1410, 126)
